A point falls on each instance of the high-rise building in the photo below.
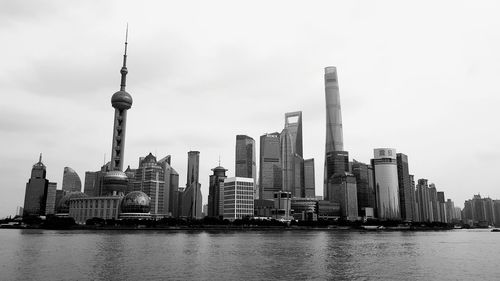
(116, 181)
(441, 206)
(423, 201)
(245, 159)
(270, 178)
(292, 163)
(40, 194)
(216, 192)
(386, 183)
(336, 162)
(365, 188)
(342, 190)
(450, 211)
(479, 211)
(71, 180)
(406, 192)
(309, 179)
(433, 200)
(191, 202)
(334, 138)
(171, 187)
(94, 181)
(238, 198)
(496, 211)
(150, 179)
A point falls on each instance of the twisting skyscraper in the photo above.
(115, 181)
(335, 156)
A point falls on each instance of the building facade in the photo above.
(270, 177)
(216, 192)
(336, 162)
(245, 165)
(309, 179)
(386, 183)
(334, 135)
(171, 180)
(150, 179)
(71, 180)
(40, 194)
(343, 191)
(406, 192)
(190, 198)
(365, 188)
(292, 162)
(238, 198)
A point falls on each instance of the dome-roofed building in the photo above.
(135, 205)
(62, 207)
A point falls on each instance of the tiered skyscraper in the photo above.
(40, 195)
(336, 159)
(116, 181)
(216, 192)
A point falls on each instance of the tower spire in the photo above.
(124, 70)
(40, 159)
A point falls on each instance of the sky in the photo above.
(417, 76)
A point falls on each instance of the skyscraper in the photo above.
(171, 186)
(149, 178)
(406, 192)
(336, 162)
(309, 179)
(386, 183)
(191, 202)
(116, 181)
(40, 194)
(216, 192)
(71, 180)
(365, 188)
(292, 163)
(334, 138)
(245, 159)
(270, 180)
(343, 191)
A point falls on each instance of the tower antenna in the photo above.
(124, 70)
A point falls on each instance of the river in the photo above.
(248, 255)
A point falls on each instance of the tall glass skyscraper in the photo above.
(386, 183)
(292, 163)
(406, 191)
(270, 180)
(245, 166)
(334, 138)
(71, 180)
(191, 205)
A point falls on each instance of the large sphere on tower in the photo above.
(121, 100)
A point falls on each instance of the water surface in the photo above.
(248, 255)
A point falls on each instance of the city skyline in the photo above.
(59, 101)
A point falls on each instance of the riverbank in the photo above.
(230, 228)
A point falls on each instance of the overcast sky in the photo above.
(420, 77)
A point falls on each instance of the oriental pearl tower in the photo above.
(115, 181)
